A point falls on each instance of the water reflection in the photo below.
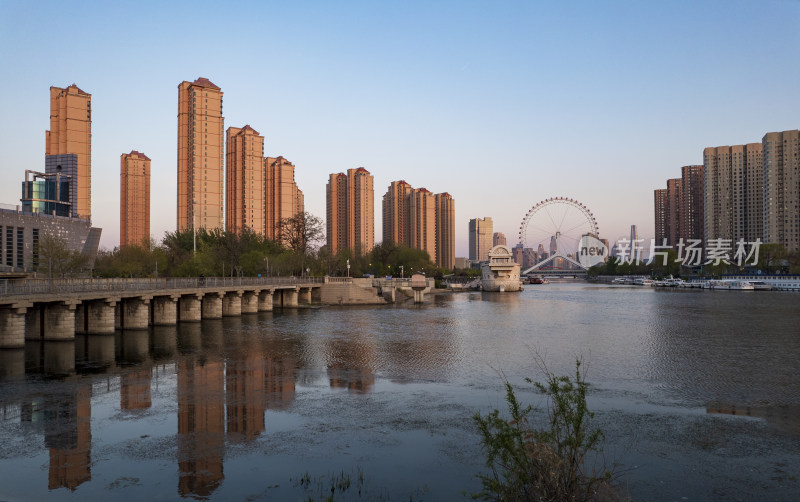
(50, 358)
(12, 363)
(785, 418)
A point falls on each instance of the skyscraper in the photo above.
(480, 238)
(68, 146)
(283, 199)
(245, 183)
(445, 230)
(134, 199)
(661, 214)
(499, 238)
(200, 155)
(781, 189)
(419, 219)
(350, 221)
(690, 200)
(733, 192)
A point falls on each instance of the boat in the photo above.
(643, 281)
(538, 280)
(501, 273)
(761, 286)
(732, 284)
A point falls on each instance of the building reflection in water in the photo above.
(785, 419)
(66, 418)
(245, 376)
(350, 362)
(201, 425)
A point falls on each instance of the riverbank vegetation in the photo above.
(551, 459)
(298, 251)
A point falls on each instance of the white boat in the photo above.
(501, 272)
(761, 286)
(643, 281)
(732, 284)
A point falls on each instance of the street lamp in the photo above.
(348, 267)
(401, 272)
(194, 229)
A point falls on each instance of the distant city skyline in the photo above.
(457, 103)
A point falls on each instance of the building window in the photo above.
(20, 247)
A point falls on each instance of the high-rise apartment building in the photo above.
(200, 155)
(350, 201)
(245, 183)
(134, 199)
(499, 238)
(423, 218)
(661, 214)
(781, 188)
(283, 199)
(419, 219)
(679, 207)
(396, 222)
(445, 230)
(69, 140)
(732, 194)
(480, 238)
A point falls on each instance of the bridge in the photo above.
(57, 309)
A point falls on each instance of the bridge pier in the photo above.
(12, 326)
(212, 305)
(232, 303)
(249, 302)
(265, 300)
(164, 310)
(191, 308)
(305, 296)
(289, 298)
(134, 313)
(96, 317)
(51, 321)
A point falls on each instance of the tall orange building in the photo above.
(245, 183)
(200, 155)
(134, 199)
(71, 134)
(283, 199)
(419, 219)
(350, 213)
(446, 230)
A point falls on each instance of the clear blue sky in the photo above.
(499, 103)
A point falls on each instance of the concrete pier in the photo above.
(305, 296)
(135, 313)
(191, 308)
(249, 302)
(96, 317)
(164, 310)
(212, 305)
(12, 326)
(232, 304)
(265, 300)
(57, 321)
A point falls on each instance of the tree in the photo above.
(301, 233)
(57, 259)
(771, 256)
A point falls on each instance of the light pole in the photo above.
(401, 272)
(348, 267)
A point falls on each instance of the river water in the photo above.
(697, 392)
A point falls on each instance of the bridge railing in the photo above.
(84, 285)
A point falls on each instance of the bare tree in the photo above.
(302, 233)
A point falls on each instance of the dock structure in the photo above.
(44, 309)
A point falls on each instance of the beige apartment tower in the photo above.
(134, 199)
(282, 199)
(480, 238)
(661, 213)
(499, 239)
(781, 189)
(418, 219)
(445, 230)
(350, 214)
(200, 155)
(71, 134)
(245, 180)
(732, 194)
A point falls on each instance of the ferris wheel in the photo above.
(557, 225)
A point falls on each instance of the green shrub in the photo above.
(548, 463)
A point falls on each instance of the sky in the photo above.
(500, 103)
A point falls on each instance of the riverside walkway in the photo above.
(57, 309)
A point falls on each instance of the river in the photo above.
(697, 393)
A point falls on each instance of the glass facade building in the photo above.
(46, 194)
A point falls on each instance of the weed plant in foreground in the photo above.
(548, 463)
